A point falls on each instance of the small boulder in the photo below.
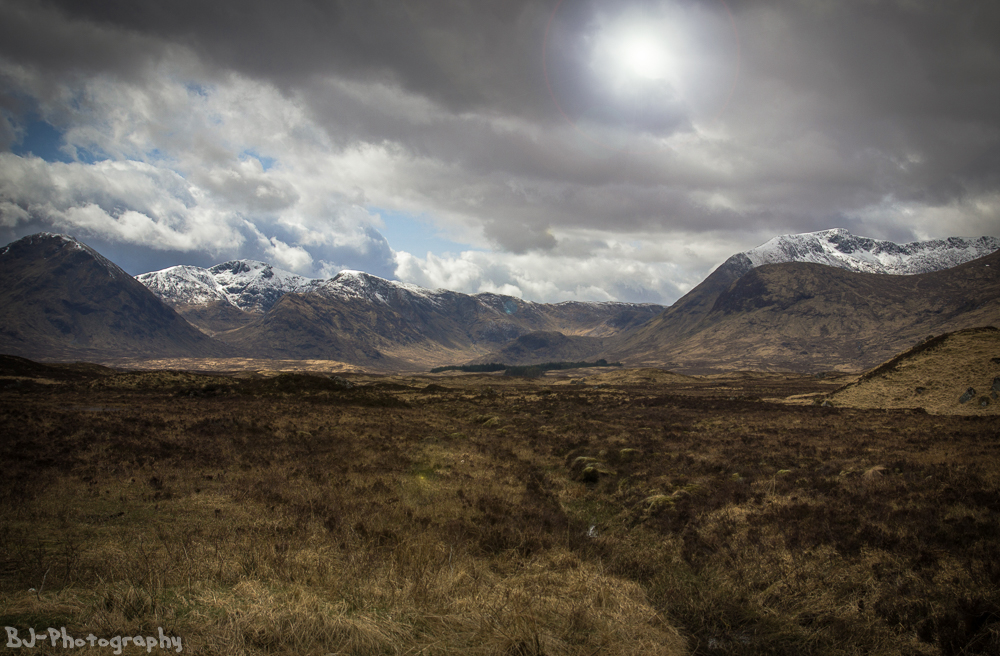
(968, 396)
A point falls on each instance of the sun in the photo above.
(643, 55)
(627, 53)
(649, 66)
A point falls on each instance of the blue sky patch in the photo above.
(42, 139)
(416, 235)
(265, 162)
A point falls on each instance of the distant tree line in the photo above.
(526, 371)
(473, 368)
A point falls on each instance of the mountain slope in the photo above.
(60, 299)
(227, 295)
(935, 375)
(836, 248)
(803, 316)
(233, 294)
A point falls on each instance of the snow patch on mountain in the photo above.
(351, 284)
(841, 249)
(249, 285)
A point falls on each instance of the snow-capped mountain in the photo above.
(249, 285)
(841, 249)
(837, 248)
(358, 285)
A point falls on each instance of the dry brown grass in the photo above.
(453, 514)
(935, 378)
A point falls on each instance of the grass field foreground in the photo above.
(474, 514)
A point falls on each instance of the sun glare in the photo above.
(644, 56)
(630, 52)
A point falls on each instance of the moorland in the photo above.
(583, 512)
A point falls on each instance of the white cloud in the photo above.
(129, 201)
(610, 273)
(231, 144)
(182, 167)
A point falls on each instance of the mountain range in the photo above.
(819, 300)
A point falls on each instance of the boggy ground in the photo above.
(620, 513)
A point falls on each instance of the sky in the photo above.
(598, 150)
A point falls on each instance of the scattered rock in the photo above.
(996, 384)
(984, 401)
(826, 403)
(968, 396)
(920, 390)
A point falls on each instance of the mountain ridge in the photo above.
(804, 316)
(746, 314)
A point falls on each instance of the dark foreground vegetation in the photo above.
(488, 515)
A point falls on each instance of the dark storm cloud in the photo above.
(41, 35)
(884, 80)
(461, 54)
(907, 90)
(781, 116)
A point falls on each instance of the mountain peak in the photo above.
(47, 244)
(250, 285)
(52, 239)
(237, 267)
(839, 248)
(61, 297)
